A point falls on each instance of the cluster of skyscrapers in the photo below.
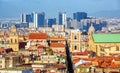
(80, 20)
(39, 19)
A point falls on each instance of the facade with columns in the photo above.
(75, 41)
(13, 39)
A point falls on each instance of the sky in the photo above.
(13, 8)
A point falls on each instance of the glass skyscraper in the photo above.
(79, 15)
(62, 18)
(38, 19)
(51, 22)
(26, 18)
(41, 19)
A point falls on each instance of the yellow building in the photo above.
(13, 39)
(75, 41)
(105, 44)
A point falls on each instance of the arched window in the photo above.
(75, 37)
(75, 47)
(117, 48)
(15, 40)
(11, 40)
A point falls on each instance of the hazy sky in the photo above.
(13, 8)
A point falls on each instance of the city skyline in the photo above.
(13, 8)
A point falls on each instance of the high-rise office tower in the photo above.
(34, 19)
(41, 19)
(62, 18)
(51, 22)
(79, 15)
(26, 18)
(38, 19)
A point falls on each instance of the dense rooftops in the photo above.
(37, 36)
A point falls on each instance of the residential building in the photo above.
(57, 39)
(57, 44)
(49, 59)
(2, 61)
(16, 70)
(11, 60)
(98, 24)
(37, 39)
(74, 24)
(58, 28)
(58, 48)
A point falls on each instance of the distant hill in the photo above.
(107, 14)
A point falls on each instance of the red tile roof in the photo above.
(37, 36)
(1, 36)
(57, 39)
(2, 50)
(81, 53)
(40, 46)
(57, 45)
(113, 65)
(57, 66)
(104, 64)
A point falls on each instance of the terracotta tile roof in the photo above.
(81, 53)
(57, 45)
(57, 38)
(114, 72)
(104, 64)
(113, 65)
(37, 36)
(2, 50)
(40, 46)
(89, 59)
(1, 36)
(76, 60)
(57, 66)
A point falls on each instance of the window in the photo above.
(75, 37)
(75, 47)
(15, 40)
(117, 48)
(0, 61)
(8, 41)
(102, 49)
(11, 40)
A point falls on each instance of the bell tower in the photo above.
(13, 39)
(75, 41)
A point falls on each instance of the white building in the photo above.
(16, 70)
(58, 27)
